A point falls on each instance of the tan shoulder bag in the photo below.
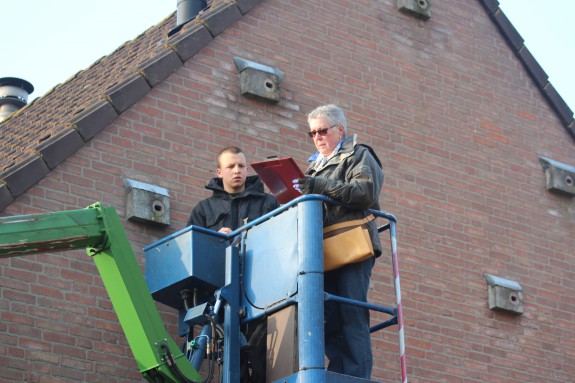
(346, 242)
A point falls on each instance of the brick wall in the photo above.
(458, 125)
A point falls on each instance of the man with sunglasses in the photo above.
(350, 173)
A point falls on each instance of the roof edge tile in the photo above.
(490, 5)
(91, 121)
(187, 43)
(560, 106)
(5, 197)
(221, 17)
(537, 74)
(60, 147)
(127, 92)
(158, 68)
(536, 71)
(25, 174)
(247, 5)
(508, 30)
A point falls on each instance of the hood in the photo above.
(254, 185)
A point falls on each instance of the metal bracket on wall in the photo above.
(418, 8)
(504, 294)
(559, 177)
(147, 203)
(258, 80)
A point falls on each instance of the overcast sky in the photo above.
(45, 42)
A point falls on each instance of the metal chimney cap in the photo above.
(14, 91)
(17, 82)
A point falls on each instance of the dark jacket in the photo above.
(225, 210)
(353, 176)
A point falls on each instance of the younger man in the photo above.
(236, 200)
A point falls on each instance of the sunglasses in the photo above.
(321, 132)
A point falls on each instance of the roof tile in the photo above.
(158, 68)
(131, 70)
(60, 147)
(127, 92)
(560, 106)
(221, 17)
(5, 197)
(25, 174)
(490, 5)
(91, 121)
(516, 43)
(537, 73)
(508, 30)
(189, 41)
(247, 5)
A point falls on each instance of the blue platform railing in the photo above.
(310, 286)
(310, 289)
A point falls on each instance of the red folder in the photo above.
(278, 174)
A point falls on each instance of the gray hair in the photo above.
(333, 113)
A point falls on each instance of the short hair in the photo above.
(229, 149)
(333, 113)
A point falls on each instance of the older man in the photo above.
(350, 173)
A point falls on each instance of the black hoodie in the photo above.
(223, 209)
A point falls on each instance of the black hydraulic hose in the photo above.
(173, 366)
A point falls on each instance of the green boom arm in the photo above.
(99, 230)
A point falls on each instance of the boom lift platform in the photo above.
(217, 282)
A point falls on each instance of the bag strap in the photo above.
(355, 222)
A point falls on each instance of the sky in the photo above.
(547, 30)
(46, 42)
(49, 41)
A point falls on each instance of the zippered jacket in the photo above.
(223, 209)
(352, 176)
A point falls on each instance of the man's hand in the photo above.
(296, 185)
(225, 230)
(304, 185)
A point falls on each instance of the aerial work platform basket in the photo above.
(266, 268)
(279, 262)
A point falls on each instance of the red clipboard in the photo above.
(278, 175)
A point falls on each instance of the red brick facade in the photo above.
(459, 126)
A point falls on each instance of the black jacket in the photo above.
(353, 176)
(225, 210)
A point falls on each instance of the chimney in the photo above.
(187, 10)
(13, 95)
